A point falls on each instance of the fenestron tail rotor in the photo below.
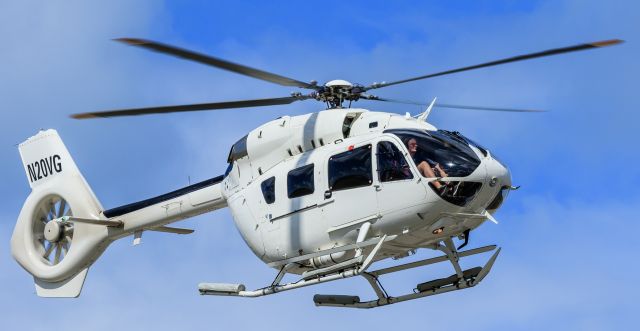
(334, 93)
(52, 238)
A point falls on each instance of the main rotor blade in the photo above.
(549, 52)
(216, 62)
(442, 105)
(193, 107)
(376, 98)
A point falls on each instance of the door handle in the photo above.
(327, 194)
(378, 187)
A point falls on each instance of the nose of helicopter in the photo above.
(498, 179)
(498, 174)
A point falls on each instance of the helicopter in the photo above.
(320, 197)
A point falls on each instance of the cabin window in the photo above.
(350, 169)
(269, 190)
(392, 165)
(300, 181)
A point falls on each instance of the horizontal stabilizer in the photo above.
(168, 229)
(108, 223)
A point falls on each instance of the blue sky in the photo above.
(568, 235)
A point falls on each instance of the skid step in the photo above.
(220, 288)
(330, 299)
(431, 285)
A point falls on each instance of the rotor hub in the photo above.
(337, 91)
(53, 231)
(338, 83)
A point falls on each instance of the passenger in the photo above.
(425, 168)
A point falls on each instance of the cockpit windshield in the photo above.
(444, 154)
(458, 136)
(440, 155)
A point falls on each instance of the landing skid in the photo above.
(358, 267)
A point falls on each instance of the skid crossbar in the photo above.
(383, 299)
(433, 260)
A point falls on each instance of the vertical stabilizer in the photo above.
(57, 253)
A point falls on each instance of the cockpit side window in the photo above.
(439, 155)
(448, 156)
(300, 181)
(392, 165)
(350, 169)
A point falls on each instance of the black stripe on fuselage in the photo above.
(119, 211)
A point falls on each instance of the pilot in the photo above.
(425, 168)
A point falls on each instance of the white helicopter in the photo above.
(321, 195)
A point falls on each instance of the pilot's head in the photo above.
(412, 145)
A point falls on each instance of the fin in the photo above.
(69, 288)
(425, 114)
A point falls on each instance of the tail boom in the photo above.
(190, 201)
(57, 250)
